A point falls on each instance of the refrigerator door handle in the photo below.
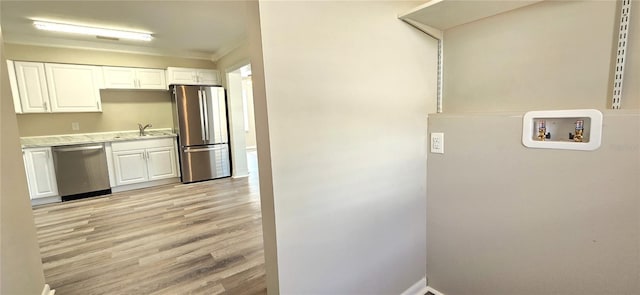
(192, 150)
(206, 115)
(202, 114)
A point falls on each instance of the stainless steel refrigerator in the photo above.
(200, 120)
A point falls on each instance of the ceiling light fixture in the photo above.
(98, 32)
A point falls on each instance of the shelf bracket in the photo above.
(623, 34)
(438, 35)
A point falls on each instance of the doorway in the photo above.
(243, 137)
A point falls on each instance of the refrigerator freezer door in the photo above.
(205, 162)
(216, 115)
(189, 105)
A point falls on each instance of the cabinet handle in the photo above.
(97, 104)
(45, 106)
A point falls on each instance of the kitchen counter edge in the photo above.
(107, 137)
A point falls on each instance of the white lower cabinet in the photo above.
(41, 174)
(161, 163)
(144, 160)
(131, 166)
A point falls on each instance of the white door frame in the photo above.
(236, 120)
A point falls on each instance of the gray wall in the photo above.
(341, 122)
(505, 219)
(550, 55)
(20, 263)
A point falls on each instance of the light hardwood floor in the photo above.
(201, 238)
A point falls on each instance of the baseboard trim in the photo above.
(432, 290)
(128, 187)
(47, 290)
(46, 200)
(419, 288)
(240, 176)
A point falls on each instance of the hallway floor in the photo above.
(201, 238)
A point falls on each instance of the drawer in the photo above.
(141, 144)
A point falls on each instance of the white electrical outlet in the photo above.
(75, 126)
(437, 142)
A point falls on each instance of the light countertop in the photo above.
(69, 139)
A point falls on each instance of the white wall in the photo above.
(550, 55)
(233, 60)
(20, 263)
(267, 202)
(341, 117)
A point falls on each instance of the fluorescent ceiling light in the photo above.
(99, 32)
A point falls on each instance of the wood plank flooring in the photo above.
(202, 238)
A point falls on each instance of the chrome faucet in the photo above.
(142, 128)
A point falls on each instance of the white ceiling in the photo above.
(195, 29)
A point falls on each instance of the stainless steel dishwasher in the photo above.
(81, 170)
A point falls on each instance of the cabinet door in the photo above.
(13, 82)
(74, 88)
(162, 163)
(181, 76)
(151, 79)
(119, 78)
(41, 175)
(130, 166)
(208, 77)
(32, 87)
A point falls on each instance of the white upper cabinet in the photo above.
(208, 77)
(181, 76)
(74, 88)
(189, 76)
(32, 87)
(13, 82)
(151, 79)
(133, 78)
(119, 78)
